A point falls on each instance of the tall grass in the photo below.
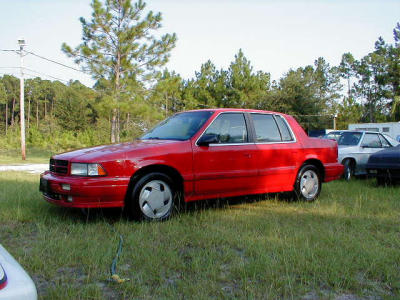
(346, 243)
(33, 155)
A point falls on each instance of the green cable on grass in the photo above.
(113, 268)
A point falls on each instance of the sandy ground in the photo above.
(30, 168)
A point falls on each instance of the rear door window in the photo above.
(371, 140)
(266, 128)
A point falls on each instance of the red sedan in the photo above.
(197, 155)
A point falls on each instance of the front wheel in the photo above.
(153, 197)
(383, 178)
(348, 170)
(308, 183)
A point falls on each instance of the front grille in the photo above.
(59, 166)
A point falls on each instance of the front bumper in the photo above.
(83, 192)
(384, 170)
(333, 171)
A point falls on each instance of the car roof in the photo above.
(355, 131)
(236, 110)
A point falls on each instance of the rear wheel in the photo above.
(308, 183)
(153, 197)
(349, 168)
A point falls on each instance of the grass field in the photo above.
(343, 246)
(37, 156)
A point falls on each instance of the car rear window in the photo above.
(349, 138)
(332, 136)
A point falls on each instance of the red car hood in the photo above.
(114, 151)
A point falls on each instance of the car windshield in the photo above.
(349, 138)
(181, 126)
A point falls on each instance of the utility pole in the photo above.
(21, 43)
(334, 121)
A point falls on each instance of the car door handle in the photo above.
(248, 155)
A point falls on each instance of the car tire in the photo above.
(308, 183)
(383, 179)
(349, 168)
(153, 197)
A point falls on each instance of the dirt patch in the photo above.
(30, 168)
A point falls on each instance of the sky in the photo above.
(275, 35)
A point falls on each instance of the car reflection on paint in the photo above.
(15, 283)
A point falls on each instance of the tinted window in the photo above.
(283, 127)
(350, 138)
(266, 128)
(371, 141)
(178, 127)
(230, 128)
(332, 136)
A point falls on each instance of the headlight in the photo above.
(82, 169)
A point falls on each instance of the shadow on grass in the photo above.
(113, 215)
(222, 203)
(27, 190)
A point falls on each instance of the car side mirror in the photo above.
(208, 139)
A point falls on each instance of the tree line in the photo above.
(134, 90)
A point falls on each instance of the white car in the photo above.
(15, 283)
(355, 147)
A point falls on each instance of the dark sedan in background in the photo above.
(385, 165)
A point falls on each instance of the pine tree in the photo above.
(244, 86)
(119, 46)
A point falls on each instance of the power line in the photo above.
(43, 74)
(8, 73)
(55, 62)
(48, 59)
(43, 77)
(318, 115)
(34, 71)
